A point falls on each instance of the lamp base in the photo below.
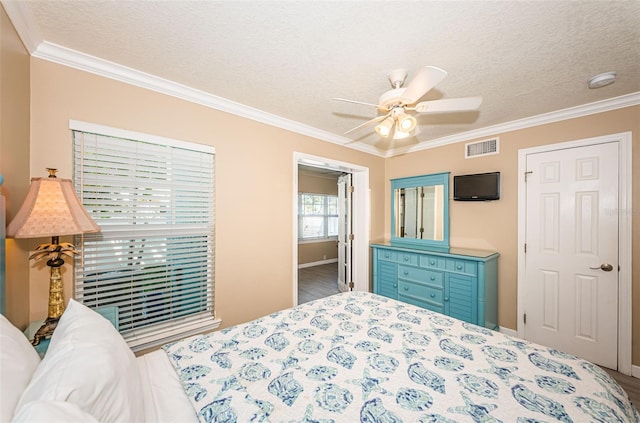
(45, 331)
(56, 300)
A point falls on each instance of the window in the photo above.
(153, 199)
(318, 216)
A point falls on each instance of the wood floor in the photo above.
(321, 281)
(629, 384)
(317, 282)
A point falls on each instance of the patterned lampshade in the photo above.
(52, 208)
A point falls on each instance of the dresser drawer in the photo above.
(429, 277)
(420, 292)
(433, 262)
(466, 267)
(387, 255)
(408, 258)
(399, 257)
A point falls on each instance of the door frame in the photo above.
(345, 222)
(624, 140)
(360, 211)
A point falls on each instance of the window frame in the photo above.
(178, 327)
(325, 216)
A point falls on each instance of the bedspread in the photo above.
(362, 357)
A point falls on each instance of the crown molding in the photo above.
(27, 28)
(24, 23)
(615, 103)
(67, 57)
(71, 58)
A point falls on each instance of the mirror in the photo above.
(420, 212)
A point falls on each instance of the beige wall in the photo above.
(317, 251)
(254, 267)
(14, 161)
(493, 225)
(317, 184)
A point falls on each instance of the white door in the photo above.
(345, 237)
(571, 260)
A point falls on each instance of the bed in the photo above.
(346, 358)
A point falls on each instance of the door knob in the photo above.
(604, 267)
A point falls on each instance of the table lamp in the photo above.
(52, 208)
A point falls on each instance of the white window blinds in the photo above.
(153, 259)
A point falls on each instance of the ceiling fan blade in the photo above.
(448, 105)
(375, 119)
(426, 78)
(356, 102)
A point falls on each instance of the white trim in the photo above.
(24, 23)
(317, 240)
(361, 212)
(28, 30)
(615, 103)
(624, 237)
(77, 60)
(110, 131)
(317, 263)
(635, 371)
(178, 331)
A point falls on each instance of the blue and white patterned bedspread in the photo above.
(362, 357)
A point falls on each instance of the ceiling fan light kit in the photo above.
(404, 98)
(407, 123)
(400, 135)
(384, 127)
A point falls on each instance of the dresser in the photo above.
(460, 283)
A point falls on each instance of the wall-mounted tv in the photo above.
(477, 187)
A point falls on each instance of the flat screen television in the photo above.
(477, 187)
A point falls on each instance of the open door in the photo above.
(345, 233)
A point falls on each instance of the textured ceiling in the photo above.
(289, 59)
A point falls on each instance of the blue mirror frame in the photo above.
(422, 181)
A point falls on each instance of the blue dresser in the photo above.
(460, 283)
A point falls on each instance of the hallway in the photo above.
(317, 282)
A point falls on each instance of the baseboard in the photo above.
(507, 331)
(635, 371)
(317, 263)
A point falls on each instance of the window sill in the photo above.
(178, 331)
(317, 240)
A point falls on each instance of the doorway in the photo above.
(574, 273)
(356, 247)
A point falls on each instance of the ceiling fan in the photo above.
(402, 98)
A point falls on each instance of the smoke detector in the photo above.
(602, 80)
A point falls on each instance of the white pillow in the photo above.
(90, 365)
(18, 361)
(52, 412)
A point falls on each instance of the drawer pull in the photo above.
(395, 285)
(386, 255)
(446, 298)
(406, 272)
(459, 267)
(406, 288)
(433, 295)
(406, 258)
(432, 262)
(433, 278)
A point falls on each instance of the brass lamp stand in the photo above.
(51, 209)
(54, 251)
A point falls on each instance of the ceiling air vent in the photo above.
(481, 148)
